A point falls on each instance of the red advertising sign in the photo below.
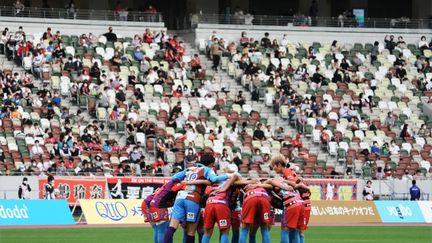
(75, 189)
(342, 190)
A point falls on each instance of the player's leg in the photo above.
(223, 220)
(192, 216)
(178, 215)
(301, 236)
(264, 211)
(235, 225)
(294, 236)
(244, 231)
(292, 223)
(155, 233)
(160, 230)
(209, 221)
(252, 233)
(304, 222)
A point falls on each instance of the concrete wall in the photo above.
(310, 34)
(78, 27)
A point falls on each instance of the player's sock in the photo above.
(301, 238)
(169, 235)
(224, 238)
(294, 236)
(200, 237)
(285, 237)
(265, 235)
(155, 234)
(243, 235)
(205, 239)
(190, 239)
(235, 236)
(160, 231)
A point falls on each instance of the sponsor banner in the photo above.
(112, 211)
(344, 212)
(426, 208)
(134, 187)
(74, 189)
(35, 212)
(399, 212)
(342, 190)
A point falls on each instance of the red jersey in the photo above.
(193, 192)
(290, 175)
(223, 197)
(153, 214)
(255, 192)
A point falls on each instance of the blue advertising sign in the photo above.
(399, 212)
(35, 212)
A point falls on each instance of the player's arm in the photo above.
(230, 183)
(297, 186)
(277, 183)
(211, 176)
(245, 182)
(197, 182)
(179, 176)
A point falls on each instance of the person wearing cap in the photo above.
(24, 190)
(186, 207)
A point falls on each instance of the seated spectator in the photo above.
(158, 163)
(178, 92)
(390, 44)
(138, 54)
(258, 133)
(297, 142)
(375, 149)
(36, 150)
(195, 63)
(424, 132)
(385, 150)
(148, 36)
(240, 99)
(257, 157)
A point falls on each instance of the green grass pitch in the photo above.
(318, 234)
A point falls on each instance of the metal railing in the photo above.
(306, 21)
(80, 14)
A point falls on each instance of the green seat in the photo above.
(341, 154)
(121, 128)
(321, 163)
(366, 171)
(308, 130)
(403, 152)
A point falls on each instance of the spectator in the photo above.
(258, 133)
(407, 176)
(405, 132)
(424, 132)
(215, 54)
(265, 41)
(257, 157)
(158, 163)
(394, 148)
(389, 120)
(415, 191)
(24, 190)
(19, 7)
(138, 54)
(110, 36)
(375, 149)
(368, 193)
(36, 150)
(240, 99)
(195, 63)
(374, 52)
(61, 169)
(390, 43)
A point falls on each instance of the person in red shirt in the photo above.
(297, 141)
(178, 92)
(195, 63)
(279, 165)
(158, 162)
(148, 36)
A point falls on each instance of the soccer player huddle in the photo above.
(200, 199)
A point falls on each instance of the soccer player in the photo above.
(217, 210)
(292, 208)
(255, 210)
(157, 217)
(235, 214)
(280, 166)
(186, 207)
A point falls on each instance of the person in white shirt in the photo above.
(394, 148)
(36, 149)
(133, 114)
(284, 41)
(180, 120)
(232, 135)
(368, 193)
(190, 133)
(423, 44)
(209, 102)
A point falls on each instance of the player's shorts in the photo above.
(217, 213)
(291, 217)
(304, 218)
(236, 218)
(185, 211)
(256, 210)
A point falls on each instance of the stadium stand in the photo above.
(149, 104)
